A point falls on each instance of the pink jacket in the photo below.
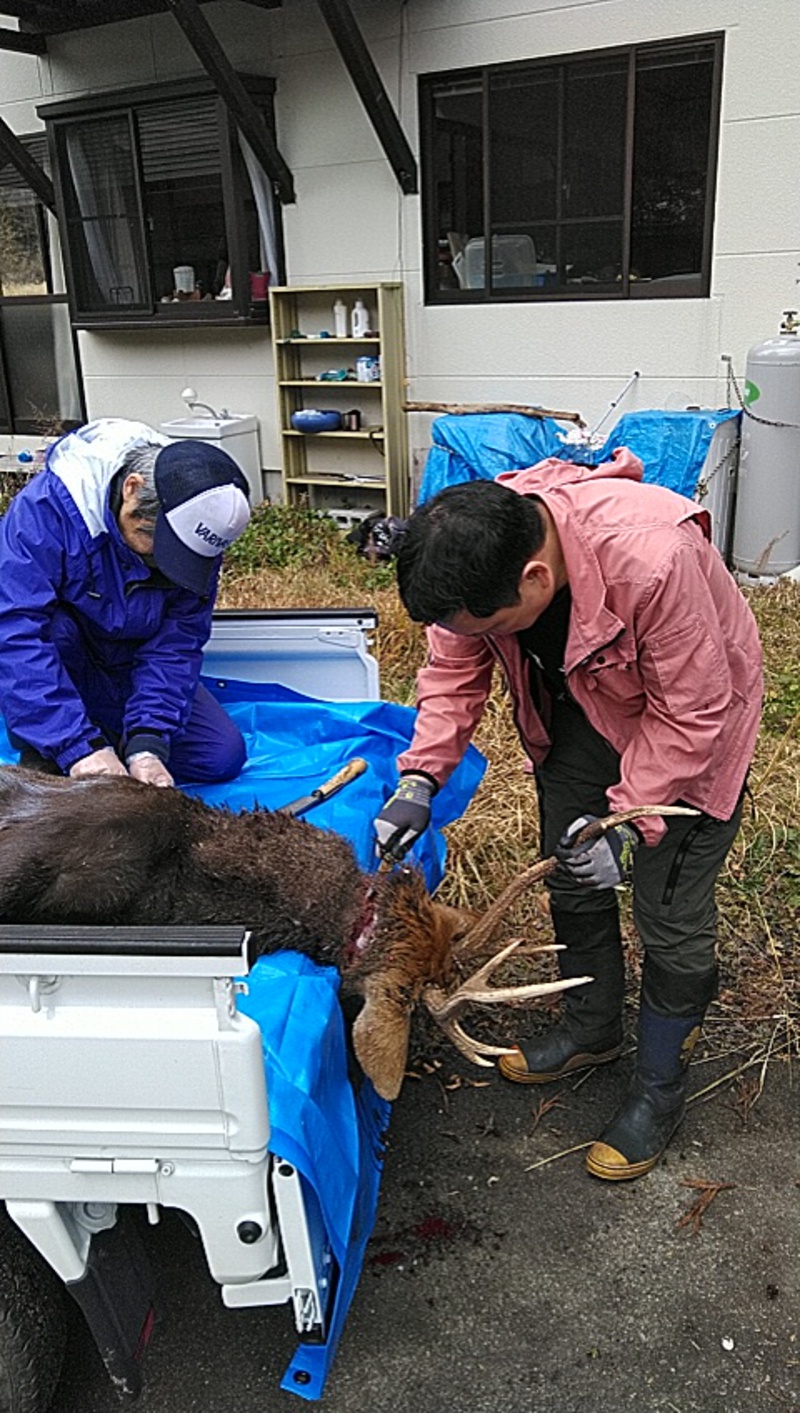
(663, 653)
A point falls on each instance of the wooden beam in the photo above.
(12, 149)
(33, 13)
(20, 43)
(368, 83)
(233, 92)
(43, 16)
(462, 409)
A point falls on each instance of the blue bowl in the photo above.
(311, 419)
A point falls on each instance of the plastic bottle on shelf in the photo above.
(340, 319)
(359, 320)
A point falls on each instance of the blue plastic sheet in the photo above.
(332, 1136)
(671, 445)
(479, 446)
(317, 1123)
(296, 742)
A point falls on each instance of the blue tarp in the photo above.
(329, 1134)
(671, 445)
(295, 742)
(479, 446)
(333, 1137)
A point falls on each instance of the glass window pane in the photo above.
(545, 244)
(457, 176)
(23, 253)
(182, 179)
(572, 163)
(260, 216)
(22, 264)
(671, 136)
(523, 122)
(109, 259)
(40, 363)
(592, 257)
(6, 424)
(595, 102)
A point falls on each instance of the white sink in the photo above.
(236, 433)
(213, 427)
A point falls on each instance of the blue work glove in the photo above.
(604, 862)
(404, 817)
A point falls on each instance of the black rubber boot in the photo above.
(590, 1031)
(638, 1134)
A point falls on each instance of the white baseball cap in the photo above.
(205, 506)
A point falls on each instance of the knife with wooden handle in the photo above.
(351, 771)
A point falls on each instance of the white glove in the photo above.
(147, 767)
(102, 762)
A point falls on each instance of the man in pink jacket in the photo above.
(634, 670)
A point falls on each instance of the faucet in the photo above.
(190, 398)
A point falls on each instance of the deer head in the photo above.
(414, 950)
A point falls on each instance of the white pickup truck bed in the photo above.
(129, 1078)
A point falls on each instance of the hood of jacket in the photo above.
(553, 474)
(87, 460)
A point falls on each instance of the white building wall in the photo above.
(350, 220)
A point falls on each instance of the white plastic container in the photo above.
(184, 278)
(359, 320)
(340, 319)
(368, 369)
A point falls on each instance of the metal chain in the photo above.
(728, 458)
(765, 421)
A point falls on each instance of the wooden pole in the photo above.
(462, 408)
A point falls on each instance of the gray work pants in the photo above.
(673, 883)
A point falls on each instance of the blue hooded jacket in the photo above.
(69, 582)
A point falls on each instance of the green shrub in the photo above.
(282, 535)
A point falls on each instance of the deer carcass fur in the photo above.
(109, 850)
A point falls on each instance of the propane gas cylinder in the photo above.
(766, 536)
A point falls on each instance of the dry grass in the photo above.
(759, 890)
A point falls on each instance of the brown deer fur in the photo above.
(109, 850)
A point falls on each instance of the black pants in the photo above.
(673, 883)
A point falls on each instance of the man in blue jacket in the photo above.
(109, 561)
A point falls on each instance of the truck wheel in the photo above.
(32, 1324)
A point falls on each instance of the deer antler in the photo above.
(446, 1006)
(484, 929)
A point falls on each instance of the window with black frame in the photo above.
(40, 385)
(587, 176)
(167, 215)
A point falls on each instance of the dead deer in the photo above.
(112, 851)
